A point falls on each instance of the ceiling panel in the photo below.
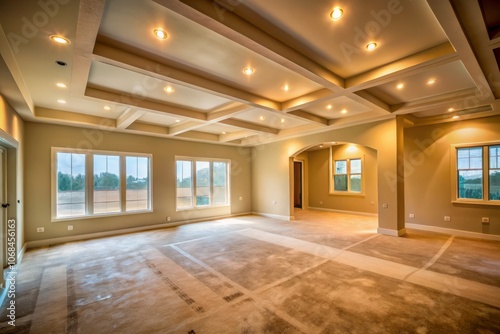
(218, 129)
(270, 119)
(334, 108)
(161, 119)
(139, 85)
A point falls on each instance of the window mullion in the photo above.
(123, 184)
(89, 185)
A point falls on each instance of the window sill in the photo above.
(101, 215)
(478, 202)
(202, 207)
(346, 193)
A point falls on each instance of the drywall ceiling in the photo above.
(434, 59)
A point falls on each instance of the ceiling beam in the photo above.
(458, 100)
(148, 128)
(249, 126)
(241, 31)
(140, 62)
(141, 102)
(67, 117)
(129, 116)
(177, 129)
(227, 111)
(453, 28)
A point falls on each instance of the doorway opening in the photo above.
(297, 184)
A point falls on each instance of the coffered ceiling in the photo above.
(433, 60)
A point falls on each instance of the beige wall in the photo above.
(320, 177)
(12, 132)
(428, 175)
(41, 137)
(271, 174)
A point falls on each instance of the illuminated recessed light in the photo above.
(223, 132)
(168, 89)
(261, 118)
(455, 117)
(107, 108)
(61, 85)
(177, 120)
(61, 101)
(59, 39)
(336, 13)
(160, 33)
(248, 70)
(329, 106)
(334, 143)
(282, 120)
(286, 88)
(451, 109)
(343, 111)
(431, 81)
(371, 46)
(320, 145)
(400, 86)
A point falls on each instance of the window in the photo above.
(347, 175)
(201, 183)
(476, 174)
(92, 183)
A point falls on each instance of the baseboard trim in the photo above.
(394, 233)
(345, 211)
(61, 240)
(274, 216)
(460, 233)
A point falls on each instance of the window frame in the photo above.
(193, 161)
(347, 192)
(89, 183)
(485, 174)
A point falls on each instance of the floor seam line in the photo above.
(203, 238)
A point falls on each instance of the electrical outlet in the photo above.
(485, 220)
(321, 202)
(70, 227)
(385, 205)
(168, 219)
(447, 218)
(40, 229)
(274, 202)
(411, 215)
(241, 198)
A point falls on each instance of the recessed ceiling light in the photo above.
(61, 63)
(431, 81)
(282, 120)
(61, 85)
(261, 118)
(400, 86)
(177, 120)
(59, 39)
(320, 145)
(371, 46)
(336, 13)
(248, 70)
(344, 111)
(223, 132)
(286, 88)
(329, 106)
(451, 109)
(168, 89)
(107, 108)
(334, 143)
(455, 117)
(160, 33)
(61, 101)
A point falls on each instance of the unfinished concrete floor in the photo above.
(323, 273)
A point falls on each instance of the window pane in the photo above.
(137, 184)
(340, 182)
(106, 183)
(356, 183)
(220, 182)
(70, 185)
(494, 180)
(494, 157)
(341, 167)
(356, 166)
(470, 184)
(184, 184)
(202, 183)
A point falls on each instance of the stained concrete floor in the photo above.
(323, 273)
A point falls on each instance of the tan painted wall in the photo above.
(41, 137)
(428, 175)
(13, 125)
(320, 176)
(270, 169)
